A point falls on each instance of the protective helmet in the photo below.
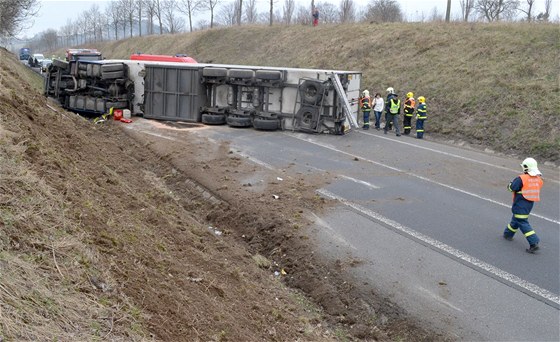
(410, 94)
(421, 99)
(390, 90)
(529, 166)
(365, 92)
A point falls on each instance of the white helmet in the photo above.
(365, 92)
(529, 166)
(390, 90)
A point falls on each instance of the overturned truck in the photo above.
(266, 98)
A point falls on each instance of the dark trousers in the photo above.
(420, 128)
(407, 123)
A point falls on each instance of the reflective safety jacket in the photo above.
(366, 103)
(422, 112)
(409, 105)
(395, 107)
(526, 191)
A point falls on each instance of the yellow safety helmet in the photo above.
(421, 99)
(409, 94)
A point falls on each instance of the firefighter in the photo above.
(526, 190)
(365, 106)
(393, 109)
(388, 118)
(408, 110)
(421, 115)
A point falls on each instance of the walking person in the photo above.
(365, 106)
(393, 109)
(526, 190)
(378, 105)
(315, 14)
(408, 110)
(421, 116)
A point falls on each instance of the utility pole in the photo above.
(448, 12)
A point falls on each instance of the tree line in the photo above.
(121, 19)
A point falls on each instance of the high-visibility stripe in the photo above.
(422, 117)
(420, 131)
(512, 229)
(520, 216)
(532, 232)
(407, 127)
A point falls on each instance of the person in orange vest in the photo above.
(526, 190)
(409, 105)
(365, 106)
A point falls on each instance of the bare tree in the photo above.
(329, 12)
(210, 5)
(227, 14)
(493, 10)
(49, 39)
(466, 8)
(94, 19)
(140, 7)
(238, 11)
(302, 15)
(543, 16)
(159, 15)
(448, 11)
(435, 16)
(384, 11)
(528, 10)
(347, 11)
(271, 12)
(288, 11)
(251, 15)
(170, 17)
(14, 14)
(150, 12)
(112, 12)
(189, 8)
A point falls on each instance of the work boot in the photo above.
(532, 248)
(398, 135)
(507, 237)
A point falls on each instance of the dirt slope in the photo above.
(493, 85)
(110, 236)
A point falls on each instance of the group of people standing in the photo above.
(392, 107)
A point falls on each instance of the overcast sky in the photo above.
(55, 13)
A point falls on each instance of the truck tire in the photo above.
(268, 75)
(213, 119)
(311, 92)
(60, 64)
(110, 75)
(112, 67)
(307, 117)
(266, 124)
(214, 72)
(241, 73)
(239, 121)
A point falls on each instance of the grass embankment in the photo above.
(495, 85)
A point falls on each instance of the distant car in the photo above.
(35, 60)
(45, 64)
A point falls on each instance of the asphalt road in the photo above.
(426, 219)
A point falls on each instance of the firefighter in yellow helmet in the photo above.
(421, 116)
(409, 105)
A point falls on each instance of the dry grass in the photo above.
(490, 84)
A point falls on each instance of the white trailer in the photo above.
(266, 98)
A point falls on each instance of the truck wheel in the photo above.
(214, 72)
(112, 67)
(265, 124)
(241, 73)
(239, 121)
(311, 92)
(112, 75)
(213, 119)
(307, 117)
(60, 64)
(268, 75)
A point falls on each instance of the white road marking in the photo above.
(335, 236)
(447, 153)
(530, 287)
(151, 133)
(419, 177)
(256, 161)
(369, 185)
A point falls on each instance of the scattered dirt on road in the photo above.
(110, 233)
